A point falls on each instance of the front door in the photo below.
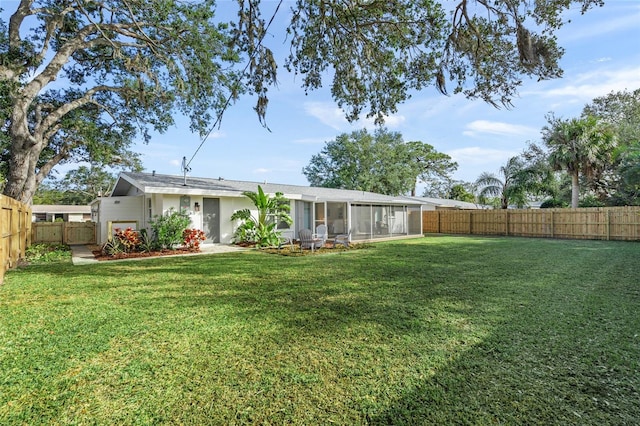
(211, 219)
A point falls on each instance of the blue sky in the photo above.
(602, 55)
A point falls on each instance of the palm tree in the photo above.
(511, 188)
(579, 146)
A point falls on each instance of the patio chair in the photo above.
(342, 239)
(306, 239)
(286, 238)
(321, 235)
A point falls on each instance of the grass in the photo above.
(435, 330)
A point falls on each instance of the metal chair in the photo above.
(305, 237)
(286, 237)
(342, 239)
(321, 236)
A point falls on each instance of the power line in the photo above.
(218, 120)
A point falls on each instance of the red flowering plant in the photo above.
(191, 238)
(129, 239)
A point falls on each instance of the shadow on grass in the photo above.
(483, 330)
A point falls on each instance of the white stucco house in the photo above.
(138, 197)
(66, 213)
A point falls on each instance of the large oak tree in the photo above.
(380, 162)
(81, 78)
(619, 181)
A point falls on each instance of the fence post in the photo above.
(439, 231)
(15, 222)
(470, 223)
(608, 225)
(506, 222)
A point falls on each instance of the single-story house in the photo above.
(66, 213)
(138, 197)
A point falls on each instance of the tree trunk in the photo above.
(575, 190)
(22, 181)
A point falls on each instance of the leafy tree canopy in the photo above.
(79, 187)
(621, 110)
(581, 147)
(459, 192)
(82, 78)
(381, 162)
(520, 178)
(620, 179)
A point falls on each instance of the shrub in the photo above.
(168, 228)
(112, 247)
(129, 239)
(191, 238)
(590, 201)
(45, 253)
(553, 203)
(147, 243)
(261, 230)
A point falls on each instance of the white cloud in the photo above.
(578, 33)
(313, 141)
(327, 113)
(475, 156)
(332, 116)
(392, 121)
(216, 135)
(598, 83)
(497, 128)
(261, 170)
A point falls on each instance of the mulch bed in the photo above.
(99, 255)
(285, 250)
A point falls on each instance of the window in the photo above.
(415, 220)
(319, 214)
(361, 222)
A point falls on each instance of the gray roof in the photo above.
(457, 204)
(60, 209)
(171, 184)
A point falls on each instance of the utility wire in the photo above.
(228, 101)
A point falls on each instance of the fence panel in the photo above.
(48, 232)
(80, 233)
(15, 232)
(64, 232)
(601, 223)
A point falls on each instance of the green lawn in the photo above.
(436, 330)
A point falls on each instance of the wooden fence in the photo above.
(15, 232)
(64, 232)
(601, 223)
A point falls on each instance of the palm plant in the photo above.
(510, 189)
(261, 229)
(579, 146)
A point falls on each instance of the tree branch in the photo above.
(49, 121)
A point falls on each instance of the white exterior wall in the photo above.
(129, 211)
(135, 208)
(76, 217)
(228, 206)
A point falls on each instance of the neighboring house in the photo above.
(442, 204)
(66, 213)
(138, 197)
